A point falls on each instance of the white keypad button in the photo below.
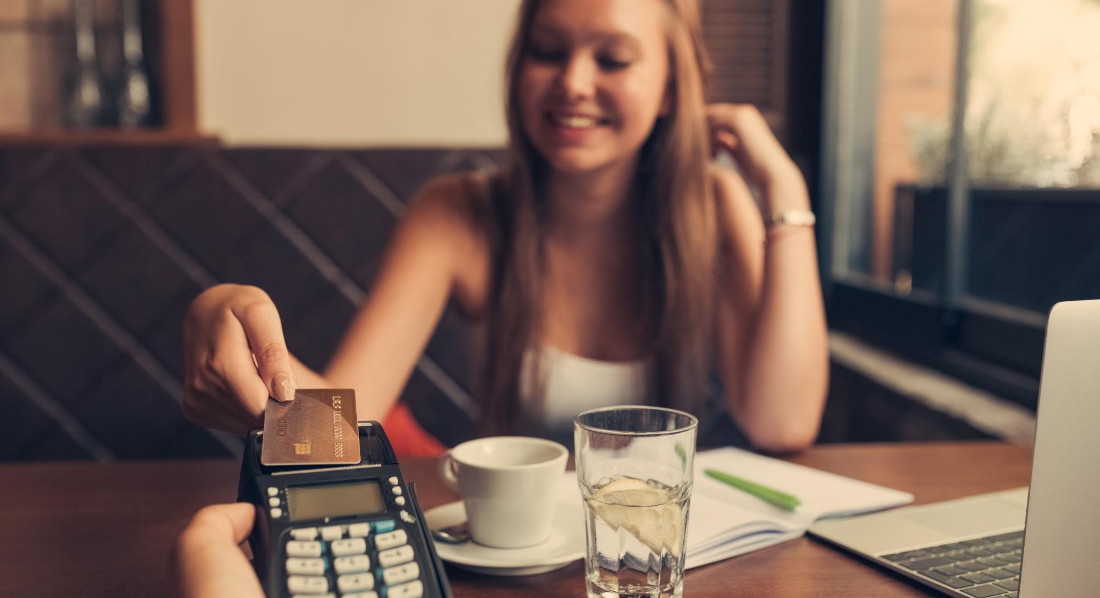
(302, 549)
(273, 491)
(300, 566)
(359, 530)
(397, 491)
(400, 574)
(332, 532)
(351, 564)
(392, 480)
(349, 546)
(304, 533)
(274, 501)
(395, 556)
(302, 584)
(355, 583)
(413, 589)
(276, 513)
(360, 595)
(391, 539)
(328, 595)
(399, 501)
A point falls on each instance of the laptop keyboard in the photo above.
(983, 568)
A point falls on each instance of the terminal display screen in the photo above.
(334, 500)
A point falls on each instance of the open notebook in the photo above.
(725, 522)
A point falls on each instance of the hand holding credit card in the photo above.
(319, 427)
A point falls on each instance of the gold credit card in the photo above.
(317, 428)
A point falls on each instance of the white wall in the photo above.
(352, 72)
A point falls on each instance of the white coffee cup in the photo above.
(509, 485)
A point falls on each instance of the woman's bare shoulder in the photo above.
(738, 212)
(456, 209)
(457, 204)
(459, 193)
(741, 234)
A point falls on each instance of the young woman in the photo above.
(610, 261)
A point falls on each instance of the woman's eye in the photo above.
(608, 63)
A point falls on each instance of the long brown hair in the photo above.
(675, 206)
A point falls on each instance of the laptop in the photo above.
(979, 547)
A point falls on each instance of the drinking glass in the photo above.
(634, 469)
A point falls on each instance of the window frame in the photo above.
(992, 346)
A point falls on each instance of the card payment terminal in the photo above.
(350, 531)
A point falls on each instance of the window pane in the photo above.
(890, 93)
(1032, 137)
(1033, 151)
(916, 93)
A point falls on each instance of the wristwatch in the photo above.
(791, 218)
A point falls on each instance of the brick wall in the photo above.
(916, 79)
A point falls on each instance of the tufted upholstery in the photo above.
(103, 247)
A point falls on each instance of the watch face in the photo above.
(792, 218)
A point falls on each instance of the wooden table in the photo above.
(87, 530)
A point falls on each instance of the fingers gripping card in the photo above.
(318, 427)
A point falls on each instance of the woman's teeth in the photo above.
(575, 122)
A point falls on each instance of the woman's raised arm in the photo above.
(773, 339)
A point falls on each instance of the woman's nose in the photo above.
(578, 78)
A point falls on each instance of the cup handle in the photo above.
(447, 471)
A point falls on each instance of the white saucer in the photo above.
(565, 545)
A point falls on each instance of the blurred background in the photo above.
(152, 148)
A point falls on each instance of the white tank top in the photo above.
(575, 384)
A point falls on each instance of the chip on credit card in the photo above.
(318, 427)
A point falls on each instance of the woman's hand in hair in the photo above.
(234, 357)
(741, 130)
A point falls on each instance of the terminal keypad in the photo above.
(361, 560)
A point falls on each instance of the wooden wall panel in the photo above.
(747, 41)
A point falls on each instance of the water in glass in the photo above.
(637, 530)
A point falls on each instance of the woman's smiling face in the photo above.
(593, 81)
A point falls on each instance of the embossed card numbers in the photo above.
(318, 427)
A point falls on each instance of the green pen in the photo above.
(770, 495)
